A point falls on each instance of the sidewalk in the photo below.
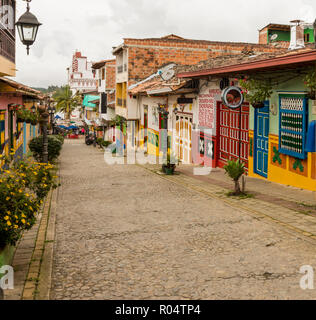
(290, 207)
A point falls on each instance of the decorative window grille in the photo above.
(293, 125)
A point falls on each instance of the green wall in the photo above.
(296, 85)
(282, 35)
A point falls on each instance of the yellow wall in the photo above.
(284, 172)
(7, 68)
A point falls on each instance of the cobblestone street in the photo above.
(123, 232)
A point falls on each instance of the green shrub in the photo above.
(106, 143)
(22, 190)
(235, 169)
(59, 137)
(99, 141)
(54, 148)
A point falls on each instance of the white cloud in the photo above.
(96, 26)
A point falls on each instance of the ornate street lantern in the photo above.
(27, 27)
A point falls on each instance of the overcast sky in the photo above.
(95, 26)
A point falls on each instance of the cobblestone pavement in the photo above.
(125, 233)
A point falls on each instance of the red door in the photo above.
(233, 134)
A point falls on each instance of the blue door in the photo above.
(261, 143)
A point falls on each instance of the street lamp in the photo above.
(33, 109)
(51, 111)
(27, 27)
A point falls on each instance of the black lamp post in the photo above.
(51, 111)
(28, 27)
(44, 116)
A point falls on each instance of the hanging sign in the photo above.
(232, 97)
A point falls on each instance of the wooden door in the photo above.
(261, 141)
(183, 139)
(234, 134)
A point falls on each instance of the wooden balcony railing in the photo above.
(7, 45)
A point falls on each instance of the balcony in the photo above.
(7, 45)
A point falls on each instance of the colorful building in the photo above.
(138, 59)
(13, 134)
(106, 75)
(81, 78)
(272, 141)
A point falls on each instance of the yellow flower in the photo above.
(27, 194)
(8, 212)
(6, 218)
(31, 208)
(20, 191)
(7, 198)
(23, 215)
(16, 227)
(23, 221)
(9, 223)
(16, 217)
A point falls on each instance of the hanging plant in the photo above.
(256, 92)
(310, 83)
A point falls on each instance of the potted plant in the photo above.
(21, 115)
(170, 165)
(34, 119)
(256, 92)
(310, 83)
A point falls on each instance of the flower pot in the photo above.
(34, 123)
(28, 121)
(258, 105)
(20, 120)
(168, 169)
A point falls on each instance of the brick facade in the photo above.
(145, 56)
(110, 74)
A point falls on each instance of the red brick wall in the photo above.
(110, 75)
(263, 36)
(146, 56)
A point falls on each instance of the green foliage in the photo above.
(54, 147)
(59, 137)
(66, 101)
(26, 115)
(118, 121)
(22, 190)
(256, 91)
(235, 169)
(310, 82)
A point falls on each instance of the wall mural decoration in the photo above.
(207, 108)
(298, 164)
(276, 157)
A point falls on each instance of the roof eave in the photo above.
(266, 63)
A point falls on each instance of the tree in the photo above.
(235, 169)
(66, 101)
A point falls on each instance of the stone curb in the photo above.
(32, 279)
(235, 204)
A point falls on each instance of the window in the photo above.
(306, 37)
(293, 125)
